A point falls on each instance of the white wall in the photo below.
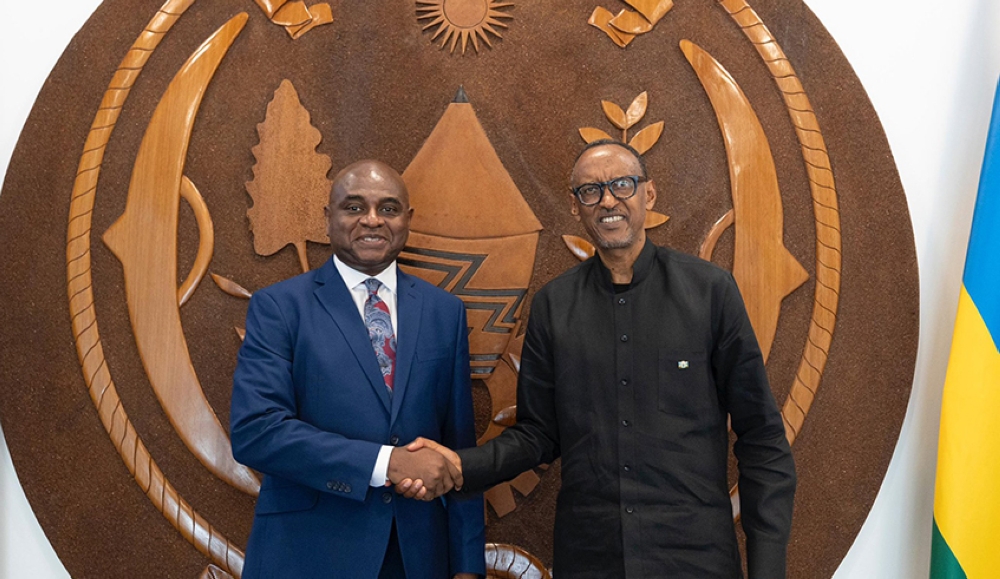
(930, 68)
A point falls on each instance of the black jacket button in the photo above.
(394, 440)
(386, 497)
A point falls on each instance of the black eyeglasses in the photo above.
(621, 188)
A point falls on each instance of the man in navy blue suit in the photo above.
(341, 366)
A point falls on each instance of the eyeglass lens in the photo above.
(591, 193)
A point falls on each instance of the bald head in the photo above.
(368, 218)
(369, 172)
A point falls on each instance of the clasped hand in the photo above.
(424, 470)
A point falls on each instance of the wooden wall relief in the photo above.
(465, 20)
(101, 387)
(625, 120)
(484, 257)
(622, 28)
(826, 210)
(213, 572)
(295, 16)
(145, 240)
(290, 187)
(512, 562)
(764, 269)
(477, 233)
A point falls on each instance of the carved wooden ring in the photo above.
(827, 217)
(192, 526)
(505, 561)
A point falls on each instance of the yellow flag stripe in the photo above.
(967, 494)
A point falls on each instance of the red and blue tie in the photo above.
(379, 325)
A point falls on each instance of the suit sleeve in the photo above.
(766, 470)
(533, 440)
(466, 515)
(267, 434)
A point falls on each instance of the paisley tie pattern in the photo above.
(380, 331)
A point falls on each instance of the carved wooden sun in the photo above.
(463, 20)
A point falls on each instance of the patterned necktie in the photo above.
(380, 331)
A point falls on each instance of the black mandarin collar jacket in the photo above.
(632, 391)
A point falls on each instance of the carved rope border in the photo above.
(825, 208)
(192, 526)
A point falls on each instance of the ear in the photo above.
(650, 194)
(574, 207)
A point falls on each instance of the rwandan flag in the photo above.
(966, 535)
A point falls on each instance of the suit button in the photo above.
(629, 510)
(347, 488)
(386, 497)
(627, 468)
(330, 485)
(625, 423)
(621, 301)
(624, 337)
(394, 440)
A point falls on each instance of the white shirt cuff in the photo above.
(381, 473)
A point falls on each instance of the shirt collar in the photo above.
(353, 278)
(640, 269)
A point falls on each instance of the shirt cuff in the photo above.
(380, 474)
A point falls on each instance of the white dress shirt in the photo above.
(355, 282)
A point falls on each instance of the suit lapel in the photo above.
(336, 299)
(409, 304)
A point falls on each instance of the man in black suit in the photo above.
(633, 363)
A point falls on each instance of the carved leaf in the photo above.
(591, 134)
(637, 109)
(615, 114)
(647, 137)
(230, 287)
(580, 247)
(290, 187)
(654, 219)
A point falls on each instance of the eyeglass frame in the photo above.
(606, 186)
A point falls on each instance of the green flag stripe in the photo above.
(944, 565)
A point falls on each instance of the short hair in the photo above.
(612, 142)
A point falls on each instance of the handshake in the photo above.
(424, 470)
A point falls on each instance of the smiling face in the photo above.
(368, 218)
(613, 224)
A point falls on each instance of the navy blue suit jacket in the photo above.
(310, 411)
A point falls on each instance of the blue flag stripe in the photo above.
(982, 264)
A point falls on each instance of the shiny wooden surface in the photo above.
(290, 186)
